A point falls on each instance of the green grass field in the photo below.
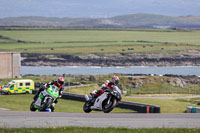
(52, 36)
(22, 103)
(166, 105)
(86, 41)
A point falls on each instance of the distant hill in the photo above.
(132, 20)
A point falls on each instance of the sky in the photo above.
(97, 8)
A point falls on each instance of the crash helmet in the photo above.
(115, 80)
(61, 80)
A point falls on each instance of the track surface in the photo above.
(19, 119)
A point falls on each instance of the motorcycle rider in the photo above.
(59, 83)
(109, 84)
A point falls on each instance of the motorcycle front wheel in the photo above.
(107, 108)
(46, 104)
(86, 107)
(32, 108)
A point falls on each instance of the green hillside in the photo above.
(131, 20)
(145, 20)
(98, 41)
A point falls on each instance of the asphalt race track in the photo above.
(19, 119)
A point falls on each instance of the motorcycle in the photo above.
(48, 97)
(106, 102)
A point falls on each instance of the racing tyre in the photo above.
(86, 107)
(32, 108)
(107, 108)
(45, 105)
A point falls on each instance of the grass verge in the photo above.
(97, 130)
(22, 103)
(168, 105)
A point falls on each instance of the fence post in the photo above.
(68, 85)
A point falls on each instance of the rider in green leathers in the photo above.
(59, 83)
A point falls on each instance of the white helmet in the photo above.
(115, 80)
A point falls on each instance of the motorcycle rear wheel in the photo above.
(110, 107)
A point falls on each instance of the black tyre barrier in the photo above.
(139, 107)
(75, 97)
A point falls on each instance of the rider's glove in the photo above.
(44, 87)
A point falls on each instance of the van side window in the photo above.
(20, 84)
(28, 84)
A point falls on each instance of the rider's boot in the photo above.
(93, 98)
(52, 107)
(38, 100)
(37, 94)
(38, 103)
(35, 97)
(95, 94)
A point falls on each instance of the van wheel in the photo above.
(27, 92)
(9, 93)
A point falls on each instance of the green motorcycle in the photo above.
(47, 98)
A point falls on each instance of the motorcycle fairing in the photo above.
(98, 102)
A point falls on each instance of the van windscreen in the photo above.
(28, 84)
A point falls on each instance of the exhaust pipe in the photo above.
(87, 98)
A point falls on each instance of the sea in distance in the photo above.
(95, 70)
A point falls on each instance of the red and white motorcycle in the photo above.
(106, 102)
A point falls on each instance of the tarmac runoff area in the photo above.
(22, 119)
